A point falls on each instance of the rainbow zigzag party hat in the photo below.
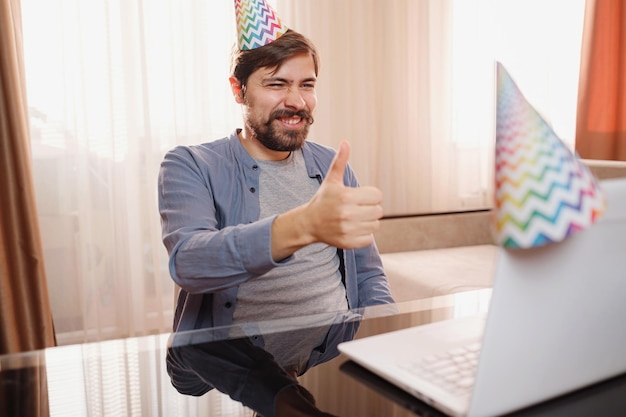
(543, 192)
(257, 24)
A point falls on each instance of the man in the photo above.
(264, 224)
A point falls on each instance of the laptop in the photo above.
(556, 323)
(602, 399)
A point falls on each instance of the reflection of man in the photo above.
(229, 361)
(264, 224)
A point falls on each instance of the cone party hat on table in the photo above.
(257, 24)
(543, 192)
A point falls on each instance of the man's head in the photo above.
(276, 85)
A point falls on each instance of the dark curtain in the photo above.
(601, 117)
(25, 317)
(24, 385)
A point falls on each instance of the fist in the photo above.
(344, 217)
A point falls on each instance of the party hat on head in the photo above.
(257, 24)
(543, 192)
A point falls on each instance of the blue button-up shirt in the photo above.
(209, 205)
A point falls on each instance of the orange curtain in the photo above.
(25, 316)
(601, 118)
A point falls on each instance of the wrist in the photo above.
(291, 231)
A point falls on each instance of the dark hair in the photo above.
(272, 55)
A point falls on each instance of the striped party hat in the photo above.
(543, 192)
(257, 24)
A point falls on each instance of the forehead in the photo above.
(297, 67)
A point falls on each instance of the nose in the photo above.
(294, 99)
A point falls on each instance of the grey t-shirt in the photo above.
(310, 282)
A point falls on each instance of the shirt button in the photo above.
(255, 167)
(252, 189)
(228, 304)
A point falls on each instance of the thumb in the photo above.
(338, 165)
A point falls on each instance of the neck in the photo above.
(257, 150)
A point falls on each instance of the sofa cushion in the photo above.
(427, 273)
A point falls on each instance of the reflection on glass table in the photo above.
(259, 364)
(129, 377)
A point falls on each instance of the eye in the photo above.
(308, 86)
(276, 85)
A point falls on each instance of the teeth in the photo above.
(291, 121)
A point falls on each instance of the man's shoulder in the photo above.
(219, 148)
(218, 145)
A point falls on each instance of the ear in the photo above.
(235, 87)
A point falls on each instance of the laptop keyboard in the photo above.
(452, 370)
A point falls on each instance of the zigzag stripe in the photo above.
(554, 230)
(518, 139)
(261, 34)
(540, 239)
(255, 9)
(252, 21)
(529, 197)
(551, 218)
(259, 29)
(525, 143)
(531, 177)
(256, 43)
(507, 166)
(541, 176)
(585, 191)
(251, 18)
(257, 24)
(545, 206)
(539, 220)
(525, 199)
(252, 27)
(533, 237)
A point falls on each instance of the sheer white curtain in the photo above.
(114, 84)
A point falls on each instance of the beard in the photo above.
(275, 137)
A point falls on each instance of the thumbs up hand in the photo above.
(341, 216)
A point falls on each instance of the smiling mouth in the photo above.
(292, 121)
(290, 118)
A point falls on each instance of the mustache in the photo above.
(303, 114)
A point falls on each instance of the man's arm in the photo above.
(209, 250)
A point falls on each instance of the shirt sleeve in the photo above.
(205, 258)
(371, 280)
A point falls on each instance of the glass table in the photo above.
(130, 377)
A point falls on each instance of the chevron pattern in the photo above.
(543, 191)
(257, 24)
